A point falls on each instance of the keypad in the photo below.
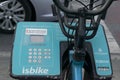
(37, 55)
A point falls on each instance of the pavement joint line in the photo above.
(113, 45)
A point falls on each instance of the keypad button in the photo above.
(34, 49)
(45, 57)
(49, 49)
(39, 49)
(39, 53)
(39, 57)
(45, 49)
(30, 49)
(39, 61)
(49, 57)
(34, 61)
(34, 57)
(35, 53)
(47, 53)
(30, 57)
(30, 61)
(30, 53)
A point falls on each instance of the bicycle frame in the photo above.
(76, 67)
(77, 63)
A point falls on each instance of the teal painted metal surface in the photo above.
(76, 67)
(41, 56)
(32, 57)
(101, 53)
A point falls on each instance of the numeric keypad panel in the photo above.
(37, 55)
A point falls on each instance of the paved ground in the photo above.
(113, 23)
(113, 20)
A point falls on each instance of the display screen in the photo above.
(37, 39)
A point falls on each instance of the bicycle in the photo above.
(66, 50)
(74, 15)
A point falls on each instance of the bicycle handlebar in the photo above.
(88, 12)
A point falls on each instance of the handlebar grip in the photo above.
(88, 12)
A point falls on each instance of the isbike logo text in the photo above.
(37, 70)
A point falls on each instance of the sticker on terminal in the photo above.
(32, 31)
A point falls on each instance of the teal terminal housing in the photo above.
(36, 51)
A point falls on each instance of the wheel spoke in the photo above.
(11, 25)
(16, 6)
(3, 23)
(7, 24)
(18, 18)
(15, 20)
(19, 9)
(20, 15)
(13, 2)
(1, 15)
